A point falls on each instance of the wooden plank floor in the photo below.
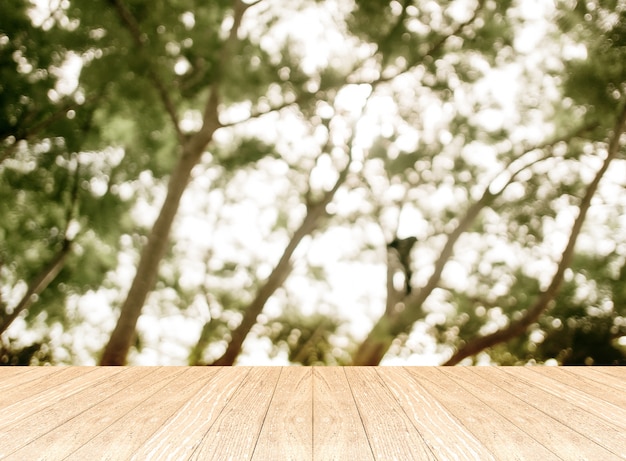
(296, 413)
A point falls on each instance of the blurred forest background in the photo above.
(312, 182)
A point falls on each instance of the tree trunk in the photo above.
(123, 335)
(278, 276)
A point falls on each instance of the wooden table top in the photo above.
(319, 413)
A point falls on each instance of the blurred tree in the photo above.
(209, 168)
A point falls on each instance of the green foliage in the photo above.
(27, 54)
(496, 32)
(368, 12)
(308, 339)
(46, 187)
(247, 74)
(580, 329)
(602, 32)
(247, 151)
(12, 354)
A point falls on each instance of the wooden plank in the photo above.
(606, 376)
(12, 376)
(584, 382)
(288, 425)
(69, 436)
(501, 437)
(610, 383)
(236, 431)
(8, 371)
(576, 417)
(516, 406)
(443, 433)
(616, 372)
(130, 431)
(563, 385)
(390, 432)
(78, 379)
(25, 386)
(181, 434)
(62, 409)
(338, 433)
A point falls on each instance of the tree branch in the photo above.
(210, 117)
(28, 133)
(278, 276)
(383, 46)
(299, 355)
(472, 213)
(394, 322)
(260, 113)
(50, 271)
(543, 302)
(39, 283)
(316, 211)
(434, 48)
(140, 40)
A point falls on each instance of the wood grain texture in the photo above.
(65, 438)
(583, 381)
(52, 407)
(11, 376)
(237, 428)
(444, 434)
(338, 432)
(334, 413)
(180, 435)
(603, 376)
(609, 435)
(527, 410)
(594, 401)
(288, 425)
(504, 439)
(390, 432)
(131, 429)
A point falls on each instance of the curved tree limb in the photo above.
(407, 312)
(257, 113)
(543, 302)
